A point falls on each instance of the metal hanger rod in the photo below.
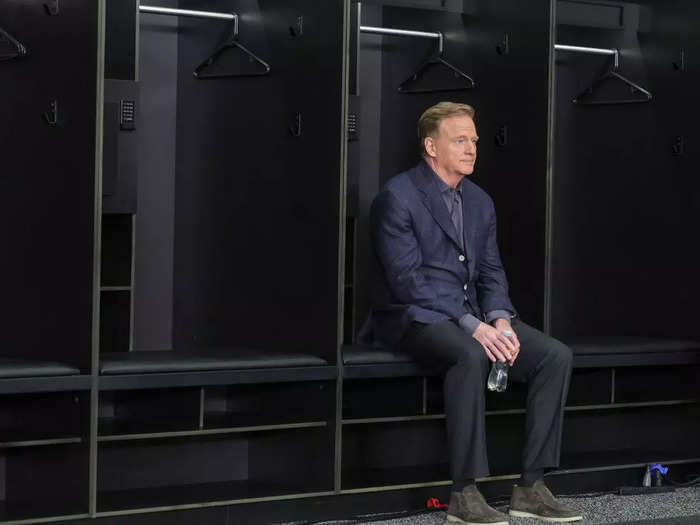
(591, 50)
(187, 12)
(403, 32)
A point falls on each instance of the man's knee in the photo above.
(562, 355)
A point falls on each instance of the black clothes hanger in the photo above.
(16, 48)
(436, 74)
(239, 61)
(586, 98)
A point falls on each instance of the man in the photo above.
(442, 297)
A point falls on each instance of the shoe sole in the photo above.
(523, 514)
(455, 519)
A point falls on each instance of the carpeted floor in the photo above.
(681, 507)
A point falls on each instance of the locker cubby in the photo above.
(129, 412)
(385, 397)
(43, 481)
(372, 457)
(116, 283)
(176, 471)
(657, 383)
(42, 418)
(590, 386)
(234, 406)
(629, 436)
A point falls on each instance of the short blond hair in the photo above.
(429, 121)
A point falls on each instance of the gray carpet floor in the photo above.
(684, 502)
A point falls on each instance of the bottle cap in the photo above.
(659, 467)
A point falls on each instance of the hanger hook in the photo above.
(51, 116)
(52, 8)
(441, 43)
(616, 59)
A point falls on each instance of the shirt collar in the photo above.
(445, 187)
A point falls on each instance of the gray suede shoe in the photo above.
(538, 502)
(470, 507)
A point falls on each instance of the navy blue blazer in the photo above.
(423, 274)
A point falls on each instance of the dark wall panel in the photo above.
(47, 182)
(120, 38)
(256, 224)
(624, 201)
(157, 117)
(364, 164)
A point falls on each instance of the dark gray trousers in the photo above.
(543, 363)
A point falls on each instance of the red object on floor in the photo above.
(434, 503)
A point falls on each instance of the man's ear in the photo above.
(429, 145)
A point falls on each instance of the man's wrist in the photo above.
(494, 315)
(469, 323)
(501, 322)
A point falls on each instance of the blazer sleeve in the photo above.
(399, 254)
(491, 283)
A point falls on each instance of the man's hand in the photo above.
(504, 324)
(498, 347)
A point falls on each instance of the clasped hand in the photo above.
(497, 346)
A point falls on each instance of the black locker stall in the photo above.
(231, 364)
(495, 59)
(623, 205)
(47, 186)
(185, 190)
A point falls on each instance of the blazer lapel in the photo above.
(432, 199)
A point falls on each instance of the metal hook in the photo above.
(680, 65)
(679, 146)
(52, 8)
(295, 128)
(298, 28)
(51, 116)
(504, 47)
(502, 136)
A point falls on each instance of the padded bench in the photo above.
(365, 362)
(161, 369)
(24, 375)
(362, 361)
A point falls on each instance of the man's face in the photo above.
(454, 147)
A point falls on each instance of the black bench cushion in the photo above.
(145, 362)
(12, 368)
(366, 355)
(630, 345)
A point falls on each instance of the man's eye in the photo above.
(460, 141)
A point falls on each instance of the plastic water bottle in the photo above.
(498, 378)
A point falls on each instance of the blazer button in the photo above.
(461, 258)
(465, 287)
